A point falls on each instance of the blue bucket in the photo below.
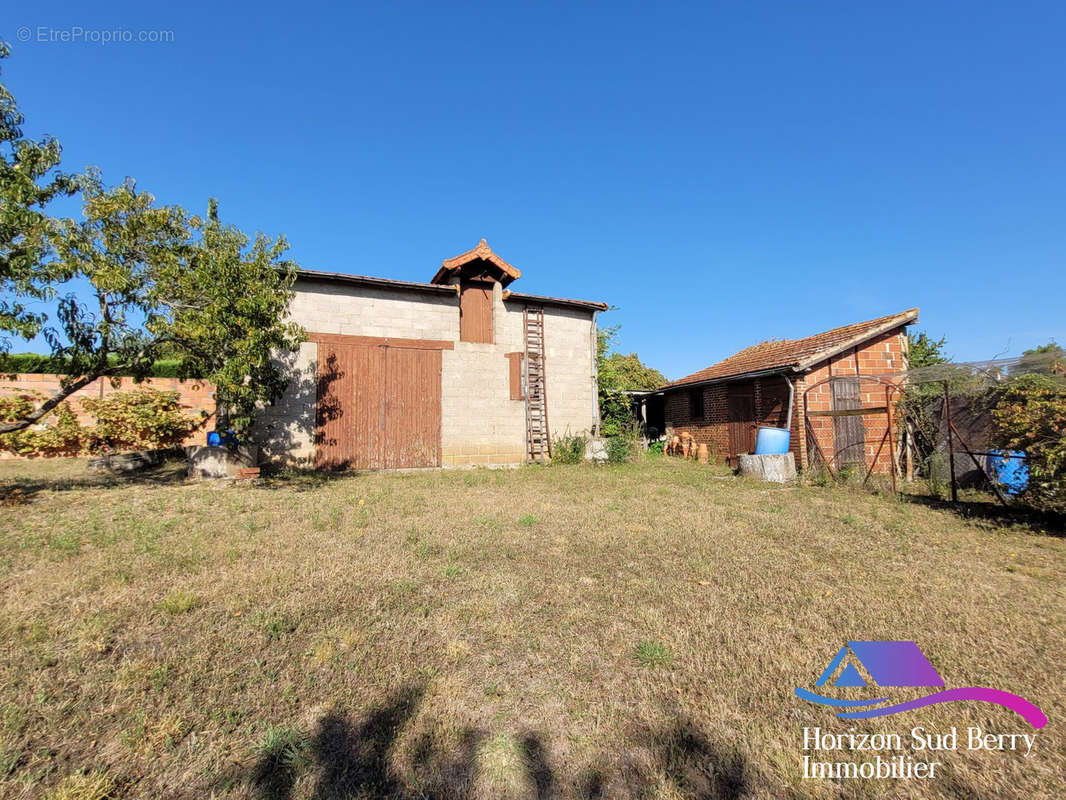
(1009, 469)
(772, 440)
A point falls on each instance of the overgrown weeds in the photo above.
(569, 449)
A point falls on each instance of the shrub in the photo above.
(61, 435)
(40, 364)
(138, 419)
(818, 475)
(939, 474)
(142, 418)
(30, 363)
(620, 449)
(569, 449)
(1030, 415)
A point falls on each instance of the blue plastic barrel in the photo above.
(221, 439)
(771, 440)
(1009, 469)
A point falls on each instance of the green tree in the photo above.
(228, 317)
(1047, 359)
(629, 373)
(164, 283)
(924, 351)
(29, 181)
(622, 372)
(619, 373)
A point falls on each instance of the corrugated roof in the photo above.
(545, 300)
(383, 283)
(796, 354)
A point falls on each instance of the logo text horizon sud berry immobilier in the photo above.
(892, 664)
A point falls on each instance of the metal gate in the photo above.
(378, 406)
(844, 413)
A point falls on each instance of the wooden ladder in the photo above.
(537, 433)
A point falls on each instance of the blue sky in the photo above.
(722, 173)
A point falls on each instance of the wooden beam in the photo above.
(380, 341)
(850, 412)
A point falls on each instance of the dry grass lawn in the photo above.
(569, 632)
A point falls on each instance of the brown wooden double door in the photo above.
(378, 406)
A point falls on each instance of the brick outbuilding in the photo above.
(724, 404)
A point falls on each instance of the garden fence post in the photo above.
(951, 446)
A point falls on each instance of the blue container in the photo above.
(1009, 469)
(771, 440)
(221, 439)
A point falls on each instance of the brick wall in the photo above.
(195, 396)
(770, 397)
(884, 356)
(713, 429)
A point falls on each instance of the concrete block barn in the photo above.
(457, 371)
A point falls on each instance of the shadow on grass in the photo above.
(17, 489)
(303, 479)
(996, 513)
(359, 758)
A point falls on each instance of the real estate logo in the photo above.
(901, 664)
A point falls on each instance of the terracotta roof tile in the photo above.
(480, 253)
(797, 353)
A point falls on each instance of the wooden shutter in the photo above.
(514, 367)
(475, 313)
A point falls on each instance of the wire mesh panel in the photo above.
(932, 422)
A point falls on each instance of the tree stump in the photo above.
(773, 467)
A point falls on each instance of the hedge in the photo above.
(38, 364)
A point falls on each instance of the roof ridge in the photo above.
(796, 353)
(482, 252)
